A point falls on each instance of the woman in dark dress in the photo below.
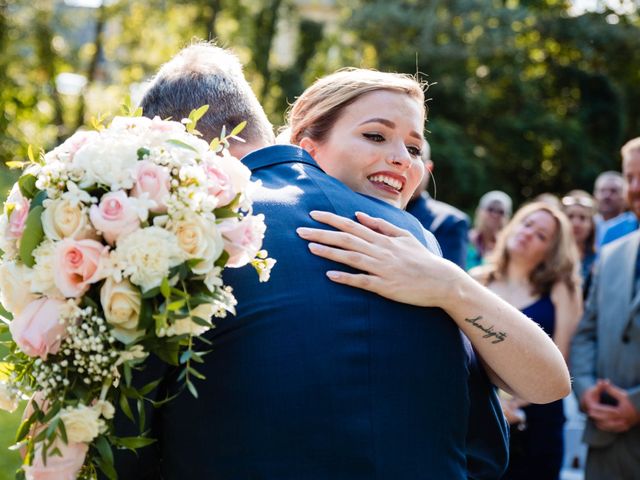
(535, 268)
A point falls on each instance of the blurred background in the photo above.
(527, 96)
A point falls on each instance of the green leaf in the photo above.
(134, 442)
(32, 236)
(103, 447)
(168, 353)
(177, 305)
(15, 164)
(215, 143)
(149, 387)
(151, 293)
(196, 373)
(222, 259)
(165, 288)
(127, 374)
(238, 128)
(194, 116)
(146, 317)
(30, 154)
(186, 355)
(38, 200)
(192, 389)
(27, 185)
(225, 212)
(107, 468)
(143, 152)
(181, 144)
(142, 415)
(5, 313)
(126, 408)
(201, 321)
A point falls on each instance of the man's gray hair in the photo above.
(205, 74)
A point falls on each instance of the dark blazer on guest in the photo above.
(449, 225)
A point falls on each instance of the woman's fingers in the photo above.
(381, 226)
(333, 238)
(345, 224)
(358, 280)
(357, 260)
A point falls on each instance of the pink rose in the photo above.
(115, 216)
(77, 265)
(18, 217)
(37, 330)
(58, 467)
(153, 180)
(242, 239)
(219, 184)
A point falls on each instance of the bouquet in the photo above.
(113, 245)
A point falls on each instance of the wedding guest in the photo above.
(548, 198)
(605, 353)
(579, 207)
(612, 221)
(534, 266)
(291, 362)
(492, 214)
(449, 225)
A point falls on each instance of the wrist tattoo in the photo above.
(489, 332)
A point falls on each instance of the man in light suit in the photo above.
(312, 379)
(449, 225)
(605, 353)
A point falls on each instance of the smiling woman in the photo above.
(378, 115)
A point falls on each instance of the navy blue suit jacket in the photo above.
(313, 380)
(449, 225)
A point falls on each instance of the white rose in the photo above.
(147, 255)
(8, 245)
(121, 304)
(63, 218)
(82, 423)
(42, 280)
(15, 288)
(108, 160)
(186, 325)
(198, 238)
(8, 398)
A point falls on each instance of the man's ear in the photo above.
(309, 145)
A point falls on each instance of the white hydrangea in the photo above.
(43, 271)
(147, 255)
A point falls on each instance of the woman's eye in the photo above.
(415, 151)
(374, 137)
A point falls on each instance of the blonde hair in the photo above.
(561, 261)
(315, 112)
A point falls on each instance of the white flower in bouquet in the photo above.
(199, 238)
(82, 423)
(121, 303)
(13, 221)
(8, 398)
(42, 272)
(15, 287)
(147, 255)
(108, 160)
(186, 326)
(65, 152)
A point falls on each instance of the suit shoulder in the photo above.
(441, 208)
(619, 244)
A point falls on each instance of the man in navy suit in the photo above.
(449, 225)
(312, 379)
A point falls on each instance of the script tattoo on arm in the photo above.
(489, 332)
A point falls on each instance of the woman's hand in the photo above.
(397, 265)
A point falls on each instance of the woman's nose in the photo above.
(399, 158)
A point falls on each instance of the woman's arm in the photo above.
(568, 306)
(520, 356)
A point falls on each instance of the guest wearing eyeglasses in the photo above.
(492, 214)
(580, 208)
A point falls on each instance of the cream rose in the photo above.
(15, 288)
(63, 218)
(121, 303)
(243, 239)
(82, 423)
(198, 238)
(8, 398)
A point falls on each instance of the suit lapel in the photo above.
(632, 254)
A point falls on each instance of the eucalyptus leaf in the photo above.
(181, 144)
(238, 128)
(134, 442)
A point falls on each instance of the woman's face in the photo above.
(493, 217)
(532, 238)
(580, 218)
(375, 146)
